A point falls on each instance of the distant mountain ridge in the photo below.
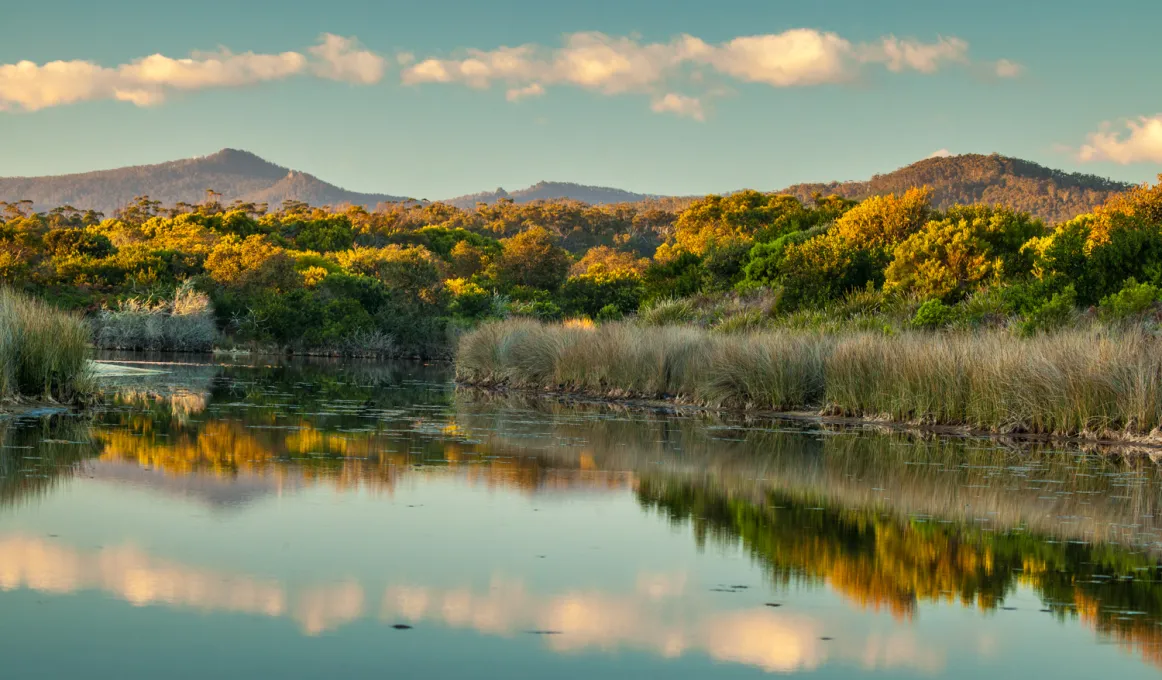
(548, 191)
(1051, 194)
(237, 175)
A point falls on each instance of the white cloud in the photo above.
(221, 69)
(1141, 143)
(1004, 68)
(615, 65)
(942, 153)
(518, 93)
(342, 58)
(680, 105)
(900, 55)
(795, 57)
(146, 81)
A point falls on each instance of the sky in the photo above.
(440, 98)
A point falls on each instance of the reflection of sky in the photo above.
(453, 560)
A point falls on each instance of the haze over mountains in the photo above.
(1053, 195)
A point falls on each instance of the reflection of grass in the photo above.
(35, 456)
(906, 474)
(1077, 382)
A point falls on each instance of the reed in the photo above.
(1094, 382)
(43, 351)
(183, 322)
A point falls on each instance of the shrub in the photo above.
(609, 313)
(1057, 313)
(1133, 299)
(933, 314)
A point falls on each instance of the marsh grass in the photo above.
(183, 322)
(43, 351)
(1091, 383)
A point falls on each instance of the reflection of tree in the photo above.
(879, 561)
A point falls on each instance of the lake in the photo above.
(312, 519)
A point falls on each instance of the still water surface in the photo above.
(366, 520)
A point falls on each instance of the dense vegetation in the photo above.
(404, 278)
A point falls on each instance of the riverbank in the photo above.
(43, 352)
(1094, 384)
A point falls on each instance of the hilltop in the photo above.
(548, 191)
(1052, 195)
(237, 175)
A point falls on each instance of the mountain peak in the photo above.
(235, 173)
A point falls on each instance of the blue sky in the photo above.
(768, 119)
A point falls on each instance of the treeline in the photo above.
(400, 278)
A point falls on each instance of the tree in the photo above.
(533, 258)
(971, 246)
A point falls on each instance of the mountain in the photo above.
(234, 174)
(1052, 195)
(547, 191)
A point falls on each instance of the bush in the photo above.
(609, 313)
(934, 314)
(1134, 299)
(1058, 312)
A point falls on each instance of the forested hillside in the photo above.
(1052, 195)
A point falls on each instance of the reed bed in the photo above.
(43, 351)
(183, 323)
(1091, 383)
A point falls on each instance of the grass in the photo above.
(43, 351)
(183, 322)
(1093, 382)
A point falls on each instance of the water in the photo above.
(359, 520)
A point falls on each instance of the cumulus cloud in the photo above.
(679, 104)
(1004, 68)
(901, 55)
(1140, 143)
(340, 58)
(146, 81)
(942, 153)
(795, 57)
(615, 65)
(518, 93)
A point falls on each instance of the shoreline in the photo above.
(1135, 445)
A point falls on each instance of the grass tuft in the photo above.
(43, 351)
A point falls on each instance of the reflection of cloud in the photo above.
(659, 586)
(133, 576)
(658, 615)
(901, 649)
(770, 641)
(325, 608)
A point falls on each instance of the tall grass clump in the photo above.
(43, 351)
(183, 322)
(1093, 383)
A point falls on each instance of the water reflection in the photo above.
(893, 525)
(653, 617)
